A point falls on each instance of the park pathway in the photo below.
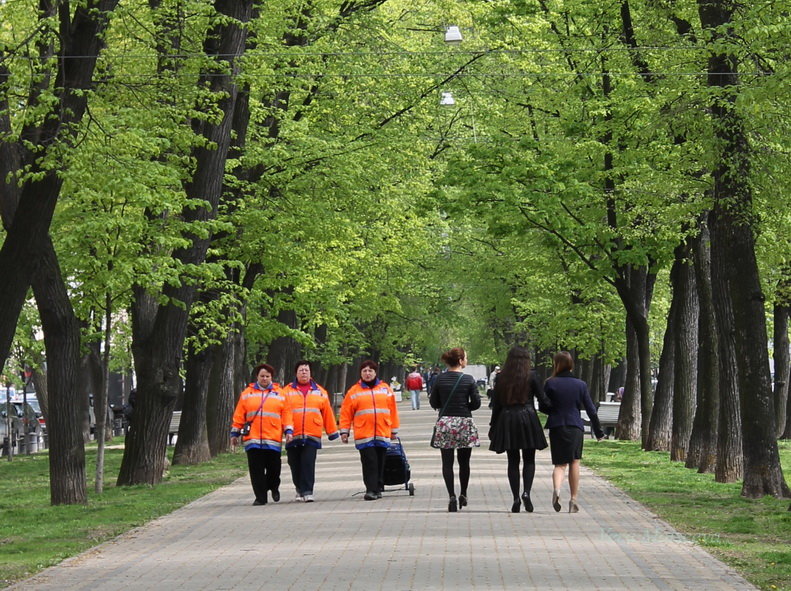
(400, 542)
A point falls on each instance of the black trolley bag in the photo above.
(397, 470)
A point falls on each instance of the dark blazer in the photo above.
(568, 396)
(465, 396)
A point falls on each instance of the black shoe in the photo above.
(276, 496)
(462, 501)
(370, 496)
(452, 505)
(515, 507)
(257, 502)
(555, 502)
(378, 495)
(527, 502)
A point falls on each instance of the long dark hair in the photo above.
(513, 382)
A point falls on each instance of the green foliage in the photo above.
(389, 224)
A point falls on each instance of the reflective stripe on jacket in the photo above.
(372, 413)
(268, 421)
(312, 413)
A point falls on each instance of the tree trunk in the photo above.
(67, 476)
(782, 367)
(192, 445)
(600, 376)
(686, 352)
(617, 376)
(739, 301)
(703, 445)
(659, 429)
(159, 331)
(27, 212)
(225, 385)
(635, 288)
(628, 426)
(285, 351)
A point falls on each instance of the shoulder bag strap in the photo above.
(444, 406)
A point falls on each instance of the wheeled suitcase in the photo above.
(397, 467)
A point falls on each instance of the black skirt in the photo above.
(517, 427)
(566, 444)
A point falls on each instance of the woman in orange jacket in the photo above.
(369, 407)
(261, 418)
(312, 411)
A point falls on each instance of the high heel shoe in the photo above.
(527, 502)
(515, 506)
(573, 507)
(452, 506)
(555, 501)
(462, 501)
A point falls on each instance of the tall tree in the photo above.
(738, 297)
(160, 328)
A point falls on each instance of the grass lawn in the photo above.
(35, 535)
(751, 535)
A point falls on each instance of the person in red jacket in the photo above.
(369, 408)
(414, 383)
(261, 418)
(312, 410)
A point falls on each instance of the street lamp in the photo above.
(453, 35)
(447, 99)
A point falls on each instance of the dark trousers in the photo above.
(373, 462)
(302, 461)
(264, 466)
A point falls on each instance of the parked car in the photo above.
(32, 400)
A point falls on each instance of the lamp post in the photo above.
(453, 35)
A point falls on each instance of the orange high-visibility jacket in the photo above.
(372, 413)
(269, 415)
(312, 414)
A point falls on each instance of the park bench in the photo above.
(173, 430)
(608, 417)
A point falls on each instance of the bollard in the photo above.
(32, 443)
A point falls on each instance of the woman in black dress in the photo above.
(514, 427)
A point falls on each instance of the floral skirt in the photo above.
(456, 432)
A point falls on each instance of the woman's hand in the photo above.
(234, 443)
(289, 437)
(345, 437)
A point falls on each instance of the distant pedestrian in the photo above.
(414, 383)
(369, 408)
(455, 396)
(261, 419)
(567, 395)
(514, 426)
(312, 410)
(491, 383)
(432, 377)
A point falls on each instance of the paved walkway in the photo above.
(401, 542)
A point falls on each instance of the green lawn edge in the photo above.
(753, 536)
(36, 535)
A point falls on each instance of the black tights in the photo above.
(464, 454)
(528, 470)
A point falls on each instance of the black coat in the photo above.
(465, 397)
